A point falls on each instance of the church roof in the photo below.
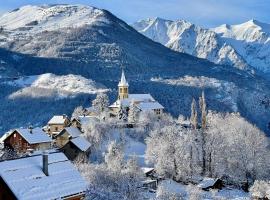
(123, 81)
(145, 106)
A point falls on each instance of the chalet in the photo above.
(21, 140)
(143, 102)
(76, 123)
(210, 183)
(57, 123)
(75, 147)
(66, 135)
(41, 176)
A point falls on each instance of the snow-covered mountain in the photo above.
(251, 40)
(244, 46)
(93, 43)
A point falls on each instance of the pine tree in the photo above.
(194, 114)
(203, 110)
(122, 113)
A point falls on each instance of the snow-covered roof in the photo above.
(123, 81)
(132, 97)
(81, 143)
(37, 135)
(26, 179)
(144, 106)
(72, 131)
(147, 169)
(207, 182)
(58, 119)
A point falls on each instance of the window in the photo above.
(125, 90)
(15, 135)
(56, 128)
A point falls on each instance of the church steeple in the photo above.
(123, 87)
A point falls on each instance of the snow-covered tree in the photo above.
(260, 190)
(114, 158)
(203, 110)
(78, 111)
(101, 102)
(194, 114)
(132, 113)
(164, 194)
(122, 113)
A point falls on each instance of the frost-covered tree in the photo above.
(175, 152)
(164, 194)
(132, 113)
(78, 111)
(260, 190)
(114, 158)
(122, 113)
(203, 110)
(101, 102)
(194, 114)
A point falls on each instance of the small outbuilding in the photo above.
(66, 135)
(57, 123)
(210, 183)
(75, 147)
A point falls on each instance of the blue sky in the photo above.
(207, 13)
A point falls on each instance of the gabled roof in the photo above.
(72, 131)
(26, 179)
(145, 106)
(37, 136)
(81, 143)
(207, 182)
(58, 119)
(132, 97)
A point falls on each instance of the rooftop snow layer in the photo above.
(37, 135)
(57, 119)
(81, 143)
(144, 106)
(27, 181)
(72, 131)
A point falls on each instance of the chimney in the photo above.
(30, 129)
(45, 162)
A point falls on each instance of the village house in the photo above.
(57, 123)
(41, 176)
(75, 147)
(76, 123)
(143, 102)
(66, 135)
(22, 140)
(210, 183)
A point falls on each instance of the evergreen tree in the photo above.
(194, 114)
(122, 113)
(203, 110)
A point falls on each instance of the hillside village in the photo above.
(133, 149)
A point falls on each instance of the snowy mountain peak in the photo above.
(51, 17)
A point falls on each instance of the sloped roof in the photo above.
(72, 131)
(81, 143)
(57, 119)
(37, 135)
(144, 106)
(26, 179)
(207, 182)
(133, 97)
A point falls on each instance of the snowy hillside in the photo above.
(243, 46)
(63, 85)
(96, 47)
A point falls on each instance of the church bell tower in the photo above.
(123, 87)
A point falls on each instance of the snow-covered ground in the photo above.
(50, 84)
(226, 193)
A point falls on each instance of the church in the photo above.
(143, 102)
